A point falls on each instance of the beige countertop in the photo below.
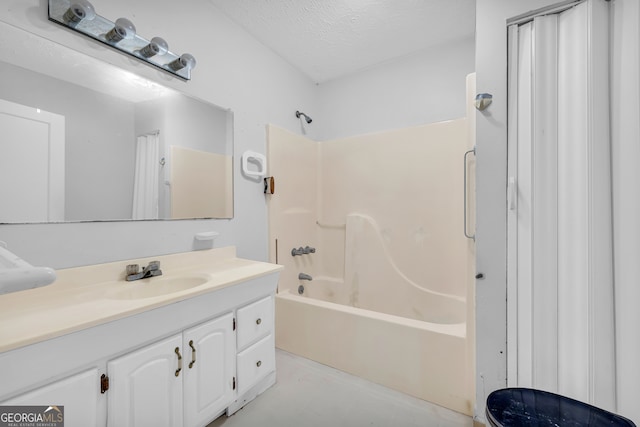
(88, 296)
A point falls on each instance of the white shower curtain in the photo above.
(146, 179)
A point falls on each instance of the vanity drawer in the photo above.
(255, 363)
(254, 321)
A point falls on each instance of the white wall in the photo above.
(234, 70)
(418, 89)
(491, 134)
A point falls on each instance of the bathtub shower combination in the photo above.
(378, 271)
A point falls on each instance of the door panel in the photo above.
(31, 164)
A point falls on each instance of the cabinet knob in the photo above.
(259, 363)
(258, 321)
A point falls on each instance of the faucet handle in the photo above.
(153, 265)
(132, 269)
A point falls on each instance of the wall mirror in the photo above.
(83, 140)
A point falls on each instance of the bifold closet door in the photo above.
(625, 132)
(560, 276)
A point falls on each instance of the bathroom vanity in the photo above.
(174, 350)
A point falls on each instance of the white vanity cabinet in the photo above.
(190, 378)
(143, 387)
(186, 379)
(79, 391)
(137, 359)
(256, 345)
(209, 370)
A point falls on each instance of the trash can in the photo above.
(511, 407)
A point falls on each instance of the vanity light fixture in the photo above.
(80, 16)
(78, 11)
(157, 46)
(123, 29)
(186, 60)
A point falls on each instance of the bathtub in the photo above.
(423, 359)
(392, 272)
(409, 301)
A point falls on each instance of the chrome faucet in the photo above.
(152, 270)
(304, 276)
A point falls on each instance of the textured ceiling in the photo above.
(326, 39)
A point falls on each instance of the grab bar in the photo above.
(466, 233)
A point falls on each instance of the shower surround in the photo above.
(392, 271)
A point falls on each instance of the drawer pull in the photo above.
(258, 321)
(193, 354)
(259, 363)
(177, 350)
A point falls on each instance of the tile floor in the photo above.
(313, 395)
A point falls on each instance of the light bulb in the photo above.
(157, 46)
(124, 29)
(79, 10)
(186, 60)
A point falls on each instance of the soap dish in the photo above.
(207, 235)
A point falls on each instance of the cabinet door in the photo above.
(208, 382)
(78, 394)
(144, 388)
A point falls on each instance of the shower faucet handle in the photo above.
(303, 251)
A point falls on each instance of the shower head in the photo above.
(306, 118)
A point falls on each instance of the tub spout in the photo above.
(303, 276)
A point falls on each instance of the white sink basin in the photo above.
(157, 286)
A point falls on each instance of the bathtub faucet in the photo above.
(303, 276)
(303, 251)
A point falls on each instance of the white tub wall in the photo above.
(405, 181)
(234, 70)
(293, 163)
(409, 182)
